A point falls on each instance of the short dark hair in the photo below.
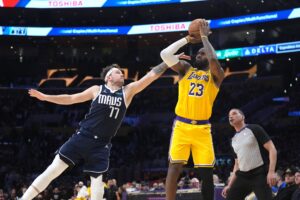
(280, 173)
(239, 110)
(107, 68)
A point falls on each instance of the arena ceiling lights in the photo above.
(85, 3)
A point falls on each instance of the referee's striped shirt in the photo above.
(248, 147)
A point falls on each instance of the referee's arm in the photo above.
(232, 178)
(270, 147)
(267, 143)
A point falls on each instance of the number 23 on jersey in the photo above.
(196, 89)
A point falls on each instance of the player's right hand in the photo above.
(193, 40)
(37, 94)
(225, 191)
(204, 28)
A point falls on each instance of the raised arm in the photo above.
(137, 86)
(66, 99)
(214, 65)
(172, 60)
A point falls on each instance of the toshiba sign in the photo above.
(159, 28)
(70, 3)
(168, 27)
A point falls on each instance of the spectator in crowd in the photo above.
(251, 196)
(161, 186)
(184, 183)
(287, 192)
(296, 194)
(195, 183)
(83, 192)
(56, 194)
(122, 194)
(216, 179)
(75, 191)
(280, 184)
(2, 195)
(111, 190)
(154, 187)
(13, 194)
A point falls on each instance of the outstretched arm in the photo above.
(66, 99)
(137, 86)
(214, 65)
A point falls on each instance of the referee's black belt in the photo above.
(191, 121)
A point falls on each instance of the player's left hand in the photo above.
(204, 28)
(37, 94)
(271, 178)
(183, 56)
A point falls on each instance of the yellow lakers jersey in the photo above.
(196, 95)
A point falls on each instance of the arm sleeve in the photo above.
(260, 134)
(167, 55)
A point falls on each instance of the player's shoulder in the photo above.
(185, 63)
(254, 126)
(94, 89)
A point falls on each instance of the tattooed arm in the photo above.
(214, 65)
(137, 86)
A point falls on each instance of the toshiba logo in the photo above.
(70, 3)
(168, 27)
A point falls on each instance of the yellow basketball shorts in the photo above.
(188, 138)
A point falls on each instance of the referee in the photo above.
(255, 160)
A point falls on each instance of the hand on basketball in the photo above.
(193, 40)
(225, 191)
(204, 28)
(271, 178)
(36, 94)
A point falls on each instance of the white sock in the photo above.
(43, 180)
(97, 188)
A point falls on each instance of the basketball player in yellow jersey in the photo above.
(198, 87)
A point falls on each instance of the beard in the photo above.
(200, 64)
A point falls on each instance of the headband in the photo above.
(109, 73)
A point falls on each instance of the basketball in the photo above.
(194, 30)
